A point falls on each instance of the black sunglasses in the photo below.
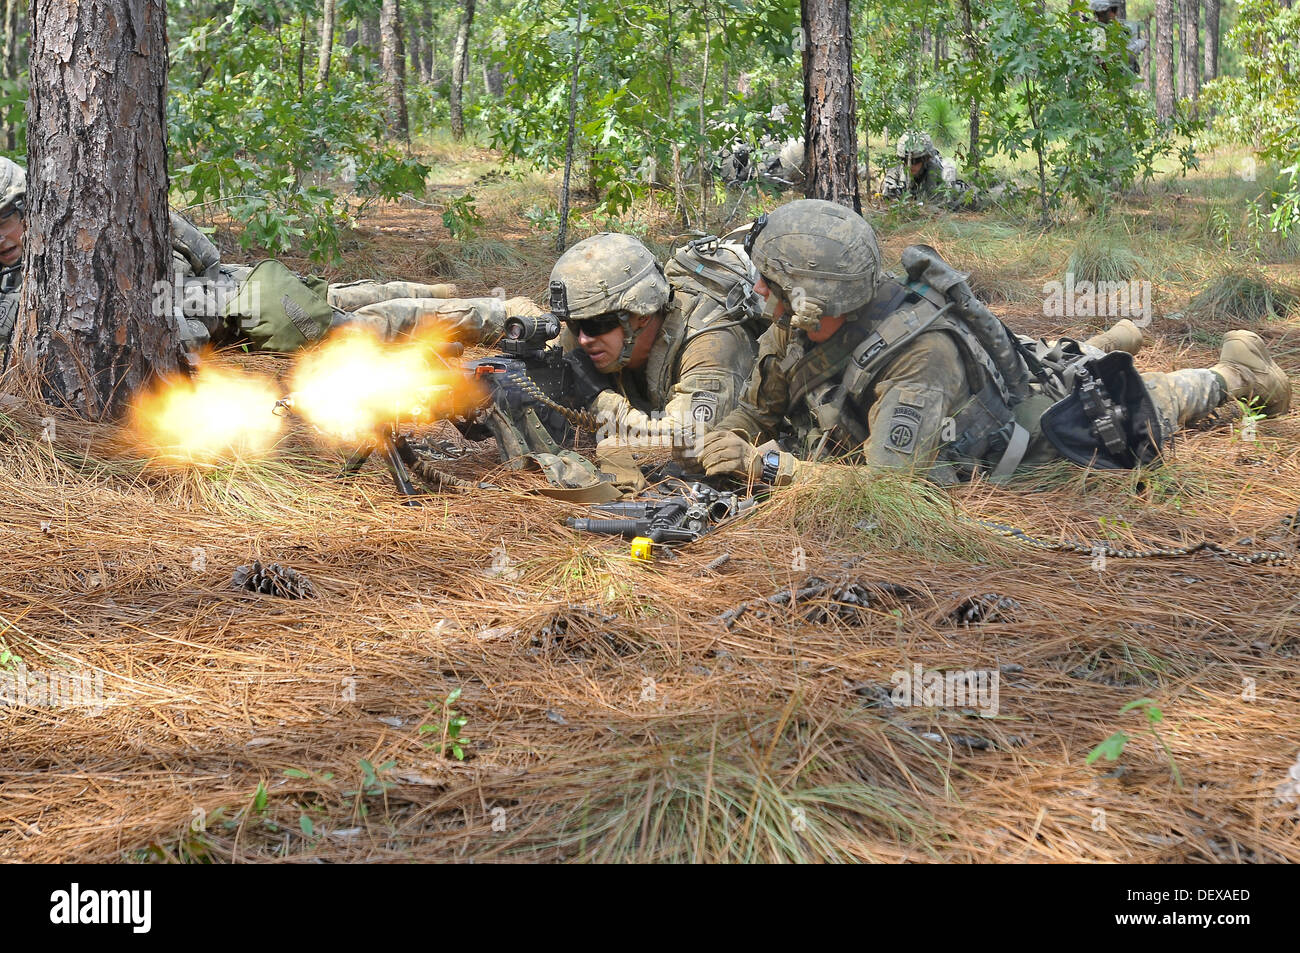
(595, 327)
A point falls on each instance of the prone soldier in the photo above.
(914, 373)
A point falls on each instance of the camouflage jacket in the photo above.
(698, 364)
(940, 174)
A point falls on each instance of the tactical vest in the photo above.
(829, 384)
(712, 282)
(11, 288)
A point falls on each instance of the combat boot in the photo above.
(1124, 336)
(1250, 374)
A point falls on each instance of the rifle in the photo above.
(681, 518)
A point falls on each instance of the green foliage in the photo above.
(248, 136)
(642, 90)
(1259, 106)
(1113, 747)
(447, 728)
(1057, 85)
(461, 218)
(13, 109)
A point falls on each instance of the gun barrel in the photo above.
(627, 527)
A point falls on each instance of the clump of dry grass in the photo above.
(1243, 297)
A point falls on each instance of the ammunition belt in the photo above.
(1268, 557)
(580, 419)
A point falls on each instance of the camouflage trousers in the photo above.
(1182, 397)
(397, 308)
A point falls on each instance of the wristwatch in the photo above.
(771, 466)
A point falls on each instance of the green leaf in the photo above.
(259, 798)
(1134, 704)
(1110, 749)
(305, 824)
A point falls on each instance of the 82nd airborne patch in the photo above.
(704, 406)
(903, 425)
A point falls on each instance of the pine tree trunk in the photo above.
(1189, 53)
(830, 110)
(971, 41)
(429, 49)
(393, 64)
(10, 67)
(370, 34)
(459, 69)
(326, 42)
(1211, 39)
(493, 81)
(97, 218)
(1165, 59)
(1145, 56)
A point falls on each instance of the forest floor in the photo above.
(610, 712)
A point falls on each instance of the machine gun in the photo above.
(527, 377)
(528, 374)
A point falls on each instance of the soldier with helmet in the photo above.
(912, 372)
(667, 347)
(1107, 11)
(13, 198)
(921, 171)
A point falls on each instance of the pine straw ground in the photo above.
(611, 715)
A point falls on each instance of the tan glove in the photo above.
(730, 454)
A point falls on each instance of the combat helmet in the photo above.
(13, 186)
(822, 258)
(608, 275)
(1101, 6)
(13, 198)
(914, 143)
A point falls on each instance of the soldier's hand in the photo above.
(722, 452)
(583, 378)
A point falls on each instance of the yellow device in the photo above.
(643, 548)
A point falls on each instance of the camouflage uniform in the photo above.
(704, 349)
(928, 381)
(938, 175)
(210, 301)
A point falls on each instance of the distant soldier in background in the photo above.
(921, 172)
(1107, 11)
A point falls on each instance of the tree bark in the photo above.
(1211, 39)
(1165, 59)
(830, 108)
(1189, 53)
(562, 235)
(98, 243)
(326, 53)
(459, 69)
(971, 41)
(1144, 57)
(393, 64)
(370, 34)
(429, 50)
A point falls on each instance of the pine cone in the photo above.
(275, 580)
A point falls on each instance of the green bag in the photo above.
(278, 311)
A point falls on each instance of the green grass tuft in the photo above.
(1245, 296)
